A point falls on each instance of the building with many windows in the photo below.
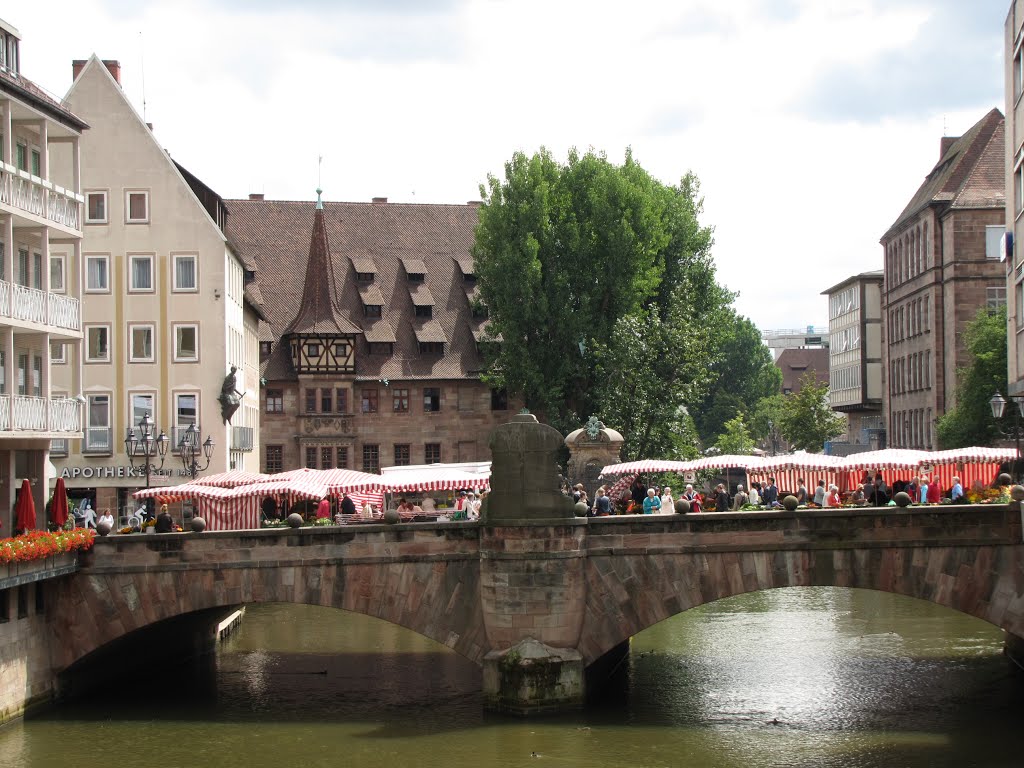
(166, 313)
(855, 360)
(370, 353)
(942, 265)
(40, 241)
(1014, 175)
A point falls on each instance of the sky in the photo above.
(810, 123)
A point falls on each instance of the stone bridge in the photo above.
(579, 587)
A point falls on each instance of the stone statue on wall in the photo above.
(230, 398)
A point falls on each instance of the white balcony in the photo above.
(30, 305)
(21, 414)
(39, 200)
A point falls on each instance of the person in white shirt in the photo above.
(755, 497)
(106, 517)
(667, 503)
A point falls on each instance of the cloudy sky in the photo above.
(809, 122)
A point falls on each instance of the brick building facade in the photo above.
(942, 265)
(370, 350)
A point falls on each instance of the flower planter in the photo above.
(36, 568)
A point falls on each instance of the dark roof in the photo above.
(22, 88)
(875, 275)
(210, 200)
(970, 174)
(366, 238)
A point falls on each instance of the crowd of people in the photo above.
(871, 491)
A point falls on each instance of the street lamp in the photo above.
(998, 405)
(142, 446)
(189, 449)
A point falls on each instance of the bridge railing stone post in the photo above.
(532, 579)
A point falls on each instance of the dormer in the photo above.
(366, 272)
(422, 302)
(372, 300)
(415, 270)
(10, 54)
(466, 268)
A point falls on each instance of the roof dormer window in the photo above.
(416, 277)
(365, 277)
(371, 310)
(424, 310)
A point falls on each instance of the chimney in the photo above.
(379, 200)
(945, 143)
(114, 68)
(255, 195)
(77, 65)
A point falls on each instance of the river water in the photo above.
(816, 677)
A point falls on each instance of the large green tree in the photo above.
(735, 438)
(587, 267)
(807, 420)
(971, 422)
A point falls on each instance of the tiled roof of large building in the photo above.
(970, 173)
(384, 240)
(21, 87)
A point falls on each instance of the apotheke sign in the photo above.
(109, 473)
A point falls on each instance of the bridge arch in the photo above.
(630, 593)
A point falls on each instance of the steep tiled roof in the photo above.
(368, 238)
(22, 88)
(969, 172)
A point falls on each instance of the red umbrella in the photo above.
(25, 510)
(59, 504)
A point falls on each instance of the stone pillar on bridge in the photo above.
(591, 448)
(532, 586)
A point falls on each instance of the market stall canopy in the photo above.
(437, 477)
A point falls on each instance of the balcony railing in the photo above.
(241, 438)
(28, 193)
(59, 447)
(98, 440)
(178, 433)
(19, 413)
(31, 305)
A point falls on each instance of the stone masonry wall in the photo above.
(26, 677)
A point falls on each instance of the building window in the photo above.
(311, 456)
(274, 461)
(95, 207)
(995, 297)
(380, 347)
(326, 457)
(371, 458)
(402, 455)
(431, 347)
(341, 452)
(140, 273)
(97, 274)
(23, 375)
(400, 400)
(369, 401)
(186, 413)
(136, 207)
(21, 156)
(310, 400)
(341, 400)
(37, 162)
(97, 344)
(57, 282)
(993, 241)
(141, 350)
(326, 401)
(58, 353)
(499, 400)
(186, 343)
(313, 350)
(431, 399)
(432, 453)
(97, 424)
(275, 401)
(37, 376)
(371, 310)
(424, 311)
(185, 277)
(141, 405)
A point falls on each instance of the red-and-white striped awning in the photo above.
(444, 479)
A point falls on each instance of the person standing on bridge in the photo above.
(956, 493)
(740, 499)
(652, 503)
(801, 492)
(721, 498)
(770, 497)
(819, 494)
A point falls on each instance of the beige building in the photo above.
(165, 309)
(40, 241)
(942, 265)
(855, 360)
(1014, 169)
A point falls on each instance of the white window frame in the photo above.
(175, 328)
(142, 393)
(179, 426)
(62, 358)
(174, 272)
(105, 258)
(106, 206)
(61, 259)
(89, 327)
(134, 257)
(993, 245)
(128, 206)
(132, 328)
(89, 426)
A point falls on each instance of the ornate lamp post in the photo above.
(143, 447)
(189, 449)
(998, 405)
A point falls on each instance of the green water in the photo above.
(853, 679)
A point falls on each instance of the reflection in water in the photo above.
(828, 678)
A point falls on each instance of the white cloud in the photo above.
(809, 124)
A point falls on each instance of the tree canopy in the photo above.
(970, 422)
(806, 420)
(600, 287)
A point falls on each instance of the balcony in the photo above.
(30, 305)
(242, 438)
(39, 200)
(19, 413)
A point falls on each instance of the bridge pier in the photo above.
(1014, 649)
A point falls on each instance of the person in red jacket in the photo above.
(934, 491)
